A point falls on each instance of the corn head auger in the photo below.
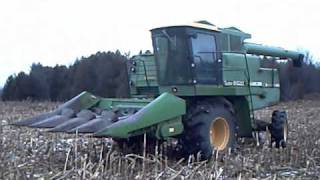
(200, 86)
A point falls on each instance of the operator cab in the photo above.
(192, 54)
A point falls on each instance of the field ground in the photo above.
(35, 154)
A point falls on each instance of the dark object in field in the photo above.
(279, 129)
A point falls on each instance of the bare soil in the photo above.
(36, 154)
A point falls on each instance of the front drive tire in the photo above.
(213, 128)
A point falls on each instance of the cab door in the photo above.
(206, 58)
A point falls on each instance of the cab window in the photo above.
(204, 57)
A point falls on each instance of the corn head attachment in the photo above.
(116, 118)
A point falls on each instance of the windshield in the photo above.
(172, 52)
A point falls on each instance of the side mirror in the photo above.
(193, 36)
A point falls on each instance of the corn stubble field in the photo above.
(36, 154)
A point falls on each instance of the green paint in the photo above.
(114, 103)
(170, 128)
(258, 49)
(192, 62)
(242, 113)
(163, 108)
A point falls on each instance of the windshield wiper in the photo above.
(172, 41)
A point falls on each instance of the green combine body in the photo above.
(200, 86)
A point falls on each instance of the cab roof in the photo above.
(211, 27)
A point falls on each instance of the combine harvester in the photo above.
(201, 87)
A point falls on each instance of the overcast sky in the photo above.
(58, 31)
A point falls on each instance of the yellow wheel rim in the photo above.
(219, 133)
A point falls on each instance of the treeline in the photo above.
(295, 82)
(103, 73)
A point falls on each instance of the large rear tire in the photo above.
(209, 126)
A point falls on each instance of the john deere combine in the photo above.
(200, 86)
